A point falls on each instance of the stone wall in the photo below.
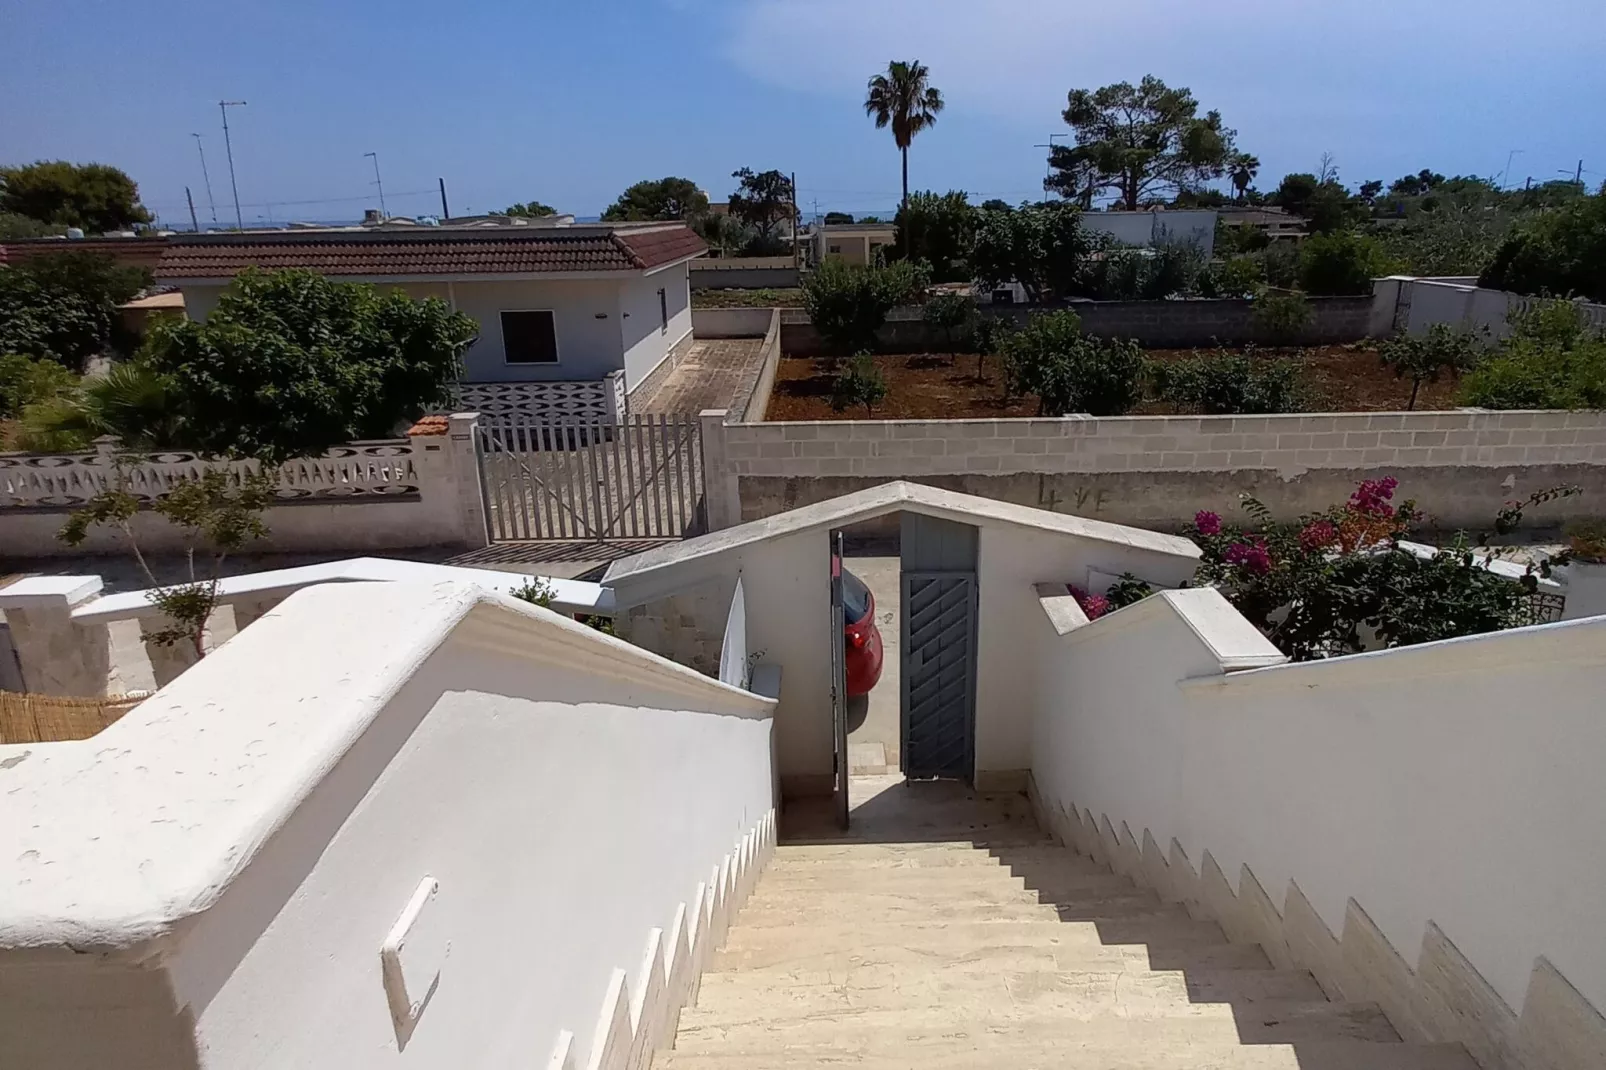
(1159, 470)
(1154, 324)
(687, 627)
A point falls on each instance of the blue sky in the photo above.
(570, 102)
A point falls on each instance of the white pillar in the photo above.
(168, 660)
(721, 496)
(463, 445)
(58, 656)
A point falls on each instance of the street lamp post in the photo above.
(228, 146)
(383, 215)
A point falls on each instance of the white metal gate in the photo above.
(596, 480)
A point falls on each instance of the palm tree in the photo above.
(904, 99)
(1243, 167)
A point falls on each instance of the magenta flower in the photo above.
(1207, 522)
(1372, 497)
(1094, 605)
(1252, 556)
(1318, 535)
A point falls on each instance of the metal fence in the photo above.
(596, 480)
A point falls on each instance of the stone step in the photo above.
(748, 997)
(804, 958)
(755, 946)
(1088, 1051)
(922, 853)
(895, 910)
(883, 1032)
(1046, 875)
(914, 901)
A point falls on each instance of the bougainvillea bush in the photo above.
(1325, 585)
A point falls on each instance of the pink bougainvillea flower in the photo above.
(1094, 605)
(1253, 556)
(1318, 535)
(1207, 523)
(1373, 496)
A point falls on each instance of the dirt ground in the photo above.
(927, 386)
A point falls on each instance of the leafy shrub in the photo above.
(24, 381)
(1280, 264)
(1586, 540)
(848, 304)
(1280, 317)
(1126, 590)
(1344, 262)
(1241, 276)
(1170, 269)
(1069, 372)
(1423, 358)
(536, 591)
(939, 229)
(987, 337)
(1553, 359)
(133, 402)
(63, 305)
(1228, 384)
(1311, 586)
(860, 382)
(1560, 252)
(948, 312)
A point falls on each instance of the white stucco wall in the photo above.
(646, 340)
(1149, 228)
(1455, 782)
(233, 853)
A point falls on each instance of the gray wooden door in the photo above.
(938, 679)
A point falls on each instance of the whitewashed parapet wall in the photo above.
(423, 490)
(1159, 469)
(1416, 826)
(1403, 304)
(464, 831)
(512, 404)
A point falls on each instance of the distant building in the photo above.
(1276, 223)
(1158, 226)
(852, 243)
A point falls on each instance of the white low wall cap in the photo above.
(110, 843)
(568, 596)
(893, 497)
(39, 592)
(1231, 640)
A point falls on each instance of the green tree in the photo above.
(1242, 167)
(1423, 358)
(1553, 359)
(1142, 142)
(14, 227)
(904, 99)
(1415, 185)
(848, 304)
(939, 229)
(1280, 318)
(859, 382)
(93, 196)
(762, 202)
(218, 512)
(133, 403)
(532, 210)
(1345, 262)
(1325, 204)
(1070, 372)
(25, 381)
(1041, 246)
(835, 218)
(664, 198)
(291, 364)
(949, 312)
(63, 305)
(1561, 252)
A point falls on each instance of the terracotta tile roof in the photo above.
(131, 252)
(431, 253)
(428, 425)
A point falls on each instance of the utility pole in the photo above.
(210, 203)
(195, 224)
(1578, 175)
(446, 213)
(228, 147)
(383, 215)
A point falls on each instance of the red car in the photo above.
(861, 643)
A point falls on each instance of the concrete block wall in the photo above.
(1460, 466)
(687, 627)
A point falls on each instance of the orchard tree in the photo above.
(665, 198)
(1041, 246)
(291, 364)
(762, 202)
(939, 228)
(533, 210)
(63, 305)
(93, 196)
(1143, 142)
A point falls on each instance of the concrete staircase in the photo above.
(976, 942)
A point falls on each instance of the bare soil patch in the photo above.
(936, 386)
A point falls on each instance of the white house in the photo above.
(553, 304)
(1157, 227)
